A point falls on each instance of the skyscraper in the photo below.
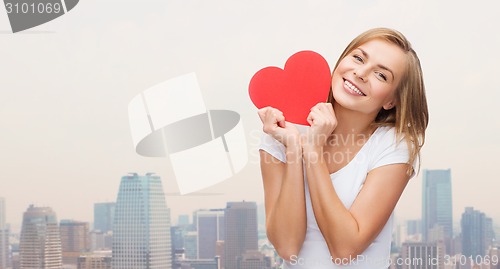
(95, 260)
(141, 228)
(104, 214)
(477, 233)
(2, 212)
(74, 240)
(4, 237)
(437, 205)
(40, 243)
(417, 255)
(240, 231)
(210, 227)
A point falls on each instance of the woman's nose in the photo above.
(360, 73)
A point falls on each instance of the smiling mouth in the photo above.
(353, 88)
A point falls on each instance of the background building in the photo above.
(417, 255)
(183, 220)
(240, 231)
(210, 228)
(4, 237)
(253, 259)
(74, 240)
(100, 240)
(40, 243)
(437, 207)
(477, 233)
(95, 260)
(141, 228)
(104, 214)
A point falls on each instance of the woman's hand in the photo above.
(276, 126)
(323, 121)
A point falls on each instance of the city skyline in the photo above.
(15, 228)
(66, 86)
(243, 222)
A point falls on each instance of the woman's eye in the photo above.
(358, 58)
(382, 76)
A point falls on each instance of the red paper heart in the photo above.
(304, 82)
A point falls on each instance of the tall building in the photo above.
(141, 228)
(74, 240)
(100, 241)
(104, 214)
(95, 260)
(417, 255)
(40, 243)
(4, 237)
(183, 220)
(210, 228)
(477, 233)
(240, 231)
(437, 205)
(253, 259)
(414, 227)
(191, 245)
(494, 255)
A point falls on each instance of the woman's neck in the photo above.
(351, 122)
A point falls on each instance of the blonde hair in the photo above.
(410, 115)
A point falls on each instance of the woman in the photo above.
(330, 192)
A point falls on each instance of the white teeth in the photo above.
(352, 87)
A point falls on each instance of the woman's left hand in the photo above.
(323, 121)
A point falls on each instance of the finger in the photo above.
(315, 117)
(262, 114)
(280, 120)
(326, 110)
(329, 107)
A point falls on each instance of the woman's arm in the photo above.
(284, 201)
(348, 232)
(283, 186)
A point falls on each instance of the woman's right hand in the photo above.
(275, 125)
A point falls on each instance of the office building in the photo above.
(414, 227)
(494, 255)
(183, 220)
(100, 241)
(95, 260)
(417, 255)
(104, 214)
(240, 231)
(4, 237)
(191, 245)
(141, 228)
(40, 242)
(74, 240)
(437, 206)
(210, 228)
(477, 233)
(253, 259)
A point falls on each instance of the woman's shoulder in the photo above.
(388, 147)
(386, 135)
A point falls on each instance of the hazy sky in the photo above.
(65, 87)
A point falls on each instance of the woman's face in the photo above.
(366, 79)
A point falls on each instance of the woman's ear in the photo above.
(389, 105)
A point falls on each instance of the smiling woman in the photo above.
(330, 193)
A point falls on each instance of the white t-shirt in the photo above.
(380, 149)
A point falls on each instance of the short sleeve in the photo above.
(273, 147)
(391, 151)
